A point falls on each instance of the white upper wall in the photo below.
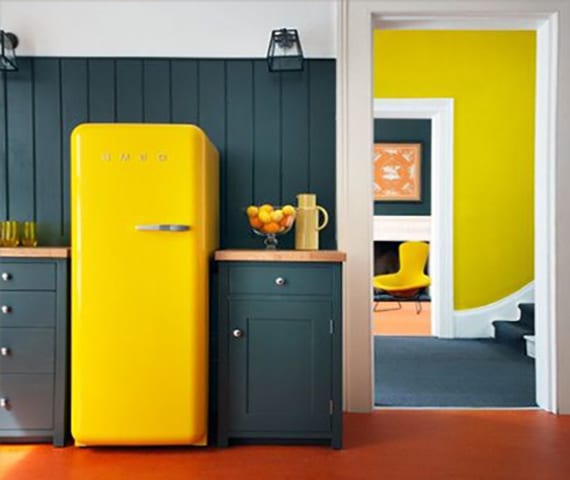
(167, 28)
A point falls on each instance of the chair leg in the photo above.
(376, 304)
(418, 307)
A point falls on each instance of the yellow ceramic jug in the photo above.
(307, 226)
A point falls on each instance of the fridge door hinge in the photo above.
(331, 407)
(331, 326)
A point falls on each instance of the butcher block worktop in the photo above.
(280, 256)
(35, 252)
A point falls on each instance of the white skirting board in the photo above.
(476, 322)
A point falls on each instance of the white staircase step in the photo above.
(529, 345)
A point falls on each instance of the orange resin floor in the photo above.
(390, 444)
(403, 322)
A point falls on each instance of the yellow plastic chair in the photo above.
(410, 280)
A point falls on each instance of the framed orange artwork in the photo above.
(397, 172)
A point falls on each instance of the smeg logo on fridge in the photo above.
(134, 156)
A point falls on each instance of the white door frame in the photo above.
(440, 112)
(354, 173)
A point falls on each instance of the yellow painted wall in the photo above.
(491, 77)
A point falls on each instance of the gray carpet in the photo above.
(432, 372)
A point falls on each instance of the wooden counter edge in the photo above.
(280, 255)
(35, 252)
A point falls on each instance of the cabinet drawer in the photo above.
(280, 279)
(26, 350)
(27, 309)
(26, 402)
(27, 276)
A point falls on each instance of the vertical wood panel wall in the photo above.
(275, 132)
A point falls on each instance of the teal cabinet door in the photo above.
(279, 367)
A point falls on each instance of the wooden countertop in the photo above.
(280, 255)
(35, 252)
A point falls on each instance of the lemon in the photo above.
(276, 215)
(266, 207)
(252, 211)
(288, 210)
(264, 216)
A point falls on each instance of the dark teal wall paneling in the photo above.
(74, 110)
(184, 91)
(275, 132)
(3, 150)
(239, 164)
(49, 148)
(20, 151)
(101, 75)
(129, 90)
(407, 131)
(267, 138)
(322, 175)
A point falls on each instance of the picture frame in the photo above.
(397, 172)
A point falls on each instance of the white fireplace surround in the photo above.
(388, 228)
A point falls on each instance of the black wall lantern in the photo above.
(285, 53)
(8, 44)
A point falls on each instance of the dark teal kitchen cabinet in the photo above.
(34, 345)
(279, 352)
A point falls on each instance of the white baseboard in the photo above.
(476, 322)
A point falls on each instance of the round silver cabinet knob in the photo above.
(237, 333)
(5, 309)
(279, 281)
(4, 402)
(6, 276)
(4, 351)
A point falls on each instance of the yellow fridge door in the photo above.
(139, 285)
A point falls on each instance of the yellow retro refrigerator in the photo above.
(144, 226)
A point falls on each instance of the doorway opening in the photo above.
(355, 132)
(430, 122)
(479, 70)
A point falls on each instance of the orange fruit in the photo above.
(271, 227)
(286, 222)
(255, 222)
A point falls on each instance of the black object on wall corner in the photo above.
(8, 43)
(407, 131)
(275, 131)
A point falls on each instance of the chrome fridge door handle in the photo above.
(166, 227)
